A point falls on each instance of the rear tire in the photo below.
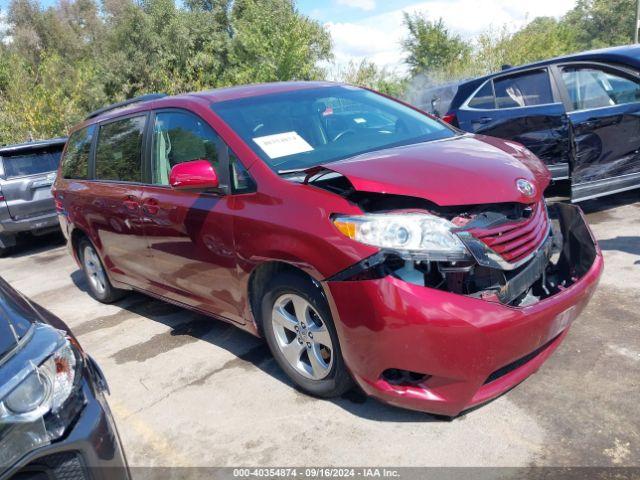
(95, 274)
(299, 330)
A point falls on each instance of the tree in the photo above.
(430, 45)
(45, 100)
(367, 74)
(543, 37)
(601, 23)
(272, 41)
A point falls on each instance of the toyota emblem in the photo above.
(525, 187)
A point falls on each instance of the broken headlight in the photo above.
(414, 235)
(41, 395)
(45, 389)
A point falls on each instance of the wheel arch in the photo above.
(259, 280)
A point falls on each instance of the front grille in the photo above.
(501, 372)
(59, 466)
(516, 240)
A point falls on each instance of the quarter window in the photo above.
(590, 87)
(484, 99)
(523, 90)
(75, 164)
(118, 154)
(241, 180)
(180, 137)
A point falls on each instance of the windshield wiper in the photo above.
(292, 171)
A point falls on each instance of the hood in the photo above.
(465, 170)
(16, 317)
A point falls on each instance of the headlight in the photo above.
(41, 395)
(44, 390)
(416, 235)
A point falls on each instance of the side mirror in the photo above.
(193, 175)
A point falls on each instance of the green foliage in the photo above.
(430, 44)
(273, 42)
(368, 74)
(60, 62)
(432, 50)
(45, 100)
(63, 61)
(601, 23)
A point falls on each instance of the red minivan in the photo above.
(366, 241)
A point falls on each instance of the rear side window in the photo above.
(523, 90)
(484, 98)
(32, 163)
(180, 137)
(118, 154)
(75, 164)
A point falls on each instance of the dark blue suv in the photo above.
(579, 113)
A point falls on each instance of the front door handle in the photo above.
(150, 206)
(131, 203)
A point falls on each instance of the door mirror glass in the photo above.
(193, 175)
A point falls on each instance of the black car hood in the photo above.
(16, 317)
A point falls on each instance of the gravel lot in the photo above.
(187, 390)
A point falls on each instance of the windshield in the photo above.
(31, 163)
(301, 129)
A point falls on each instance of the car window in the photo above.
(523, 90)
(75, 163)
(180, 137)
(118, 154)
(241, 179)
(590, 87)
(32, 163)
(484, 98)
(296, 130)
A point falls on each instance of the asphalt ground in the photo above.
(191, 391)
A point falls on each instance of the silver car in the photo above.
(27, 172)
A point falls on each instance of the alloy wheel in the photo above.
(302, 336)
(95, 273)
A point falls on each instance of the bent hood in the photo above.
(466, 170)
(17, 314)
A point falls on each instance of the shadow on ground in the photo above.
(629, 245)
(611, 201)
(30, 245)
(249, 351)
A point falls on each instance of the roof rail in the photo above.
(124, 103)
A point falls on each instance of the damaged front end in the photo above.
(514, 254)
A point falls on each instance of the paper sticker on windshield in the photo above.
(283, 144)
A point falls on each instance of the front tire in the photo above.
(100, 287)
(299, 330)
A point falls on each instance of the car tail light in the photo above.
(450, 118)
(1, 198)
(58, 202)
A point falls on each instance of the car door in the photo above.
(116, 189)
(26, 178)
(189, 233)
(527, 108)
(604, 109)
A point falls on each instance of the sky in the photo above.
(373, 29)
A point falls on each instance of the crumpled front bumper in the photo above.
(470, 350)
